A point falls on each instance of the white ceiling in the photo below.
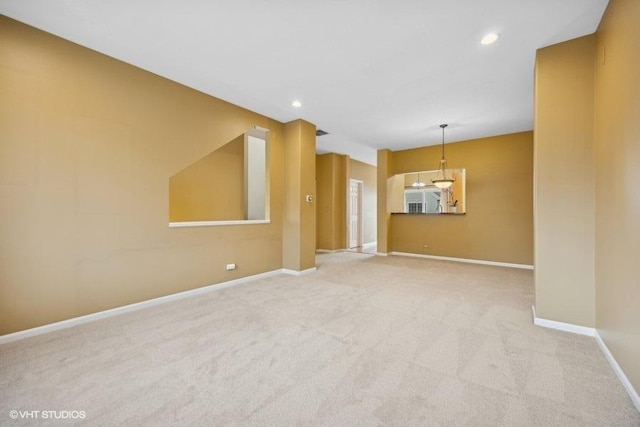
(373, 73)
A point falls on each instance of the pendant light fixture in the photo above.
(443, 178)
(418, 183)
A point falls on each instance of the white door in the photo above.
(355, 214)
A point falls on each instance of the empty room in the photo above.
(334, 213)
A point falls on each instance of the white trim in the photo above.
(561, 326)
(360, 218)
(592, 332)
(465, 260)
(299, 273)
(64, 324)
(217, 223)
(633, 394)
(333, 251)
(382, 254)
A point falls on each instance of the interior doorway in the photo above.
(354, 214)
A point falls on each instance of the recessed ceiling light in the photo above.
(489, 38)
(296, 104)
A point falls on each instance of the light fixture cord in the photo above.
(443, 126)
(443, 159)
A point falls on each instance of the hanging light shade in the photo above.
(443, 178)
(417, 183)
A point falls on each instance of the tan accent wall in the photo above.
(498, 224)
(324, 201)
(333, 174)
(617, 173)
(300, 177)
(587, 108)
(331, 230)
(211, 189)
(367, 174)
(87, 146)
(384, 171)
(564, 182)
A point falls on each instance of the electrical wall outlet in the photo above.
(230, 267)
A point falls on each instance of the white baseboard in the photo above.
(633, 394)
(465, 260)
(592, 332)
(299, 273)
(382, 254)
(369, 245)
(333, 251)
(64, 324)
(561, 326)
(218, 223)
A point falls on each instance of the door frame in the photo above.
(359, 240)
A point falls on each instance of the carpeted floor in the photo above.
(364, 341)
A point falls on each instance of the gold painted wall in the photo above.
(87, 146)
(331, 201)
(324, 201)
(498, 224)
(211, 189)
(299, 244)
(564, 182)
(588, 138)
(333, 174)
(384, 167)
(617, 190)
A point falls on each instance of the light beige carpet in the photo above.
(364, 341)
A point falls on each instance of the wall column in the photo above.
(332, 182)
(384, 218)
(564, 187)
(299, 222)
(617, 153)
